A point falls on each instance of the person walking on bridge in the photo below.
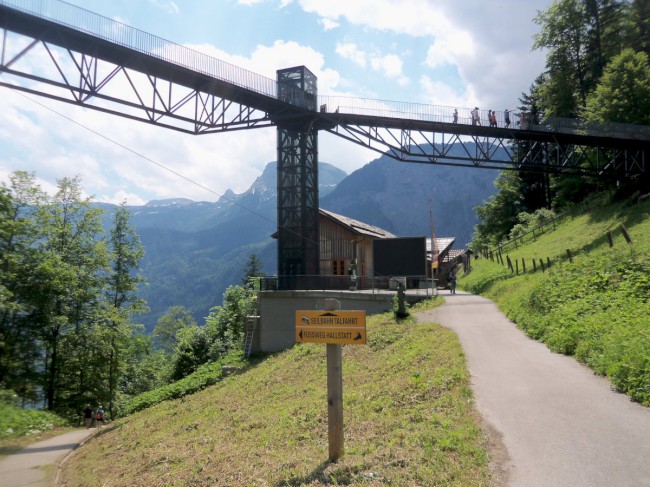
(506, 117)
(476, 117)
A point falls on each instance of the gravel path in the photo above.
(552, 421)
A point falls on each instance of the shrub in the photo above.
(16, 422)
(206, 375)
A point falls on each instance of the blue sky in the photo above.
(462, 53)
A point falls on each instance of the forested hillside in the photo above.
(398, 197)
(597, 69)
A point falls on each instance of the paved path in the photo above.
(561, 424)
(35, 466)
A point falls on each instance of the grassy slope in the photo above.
(408, 414)
(598, 308)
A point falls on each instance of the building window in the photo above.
(338, 267)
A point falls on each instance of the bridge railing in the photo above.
(445, 114)
(116, 32)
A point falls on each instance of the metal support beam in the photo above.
(500, 149)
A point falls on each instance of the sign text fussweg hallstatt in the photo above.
(338, 327)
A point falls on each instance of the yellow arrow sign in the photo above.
(337, 327)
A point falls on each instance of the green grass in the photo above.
(409, 420)
(596, 308)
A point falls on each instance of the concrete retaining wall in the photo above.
(276, 329)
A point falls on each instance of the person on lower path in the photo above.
(99, 416)
(452, 281)
(88, 416)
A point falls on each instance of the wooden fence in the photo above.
(535, 263)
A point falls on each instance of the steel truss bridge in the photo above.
(56, 50)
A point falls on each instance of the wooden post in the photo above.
(534, 265)
(517, 266)
(548, 262)
(568, 253)
(334, 393)
(625, 234)
(541, 263)
(523, 264)
(610, 239)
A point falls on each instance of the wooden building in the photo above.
(346, 246)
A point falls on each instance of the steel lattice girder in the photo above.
(497, 152)
(55, 71)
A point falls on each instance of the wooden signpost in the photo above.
(335, 328)
(331, 326)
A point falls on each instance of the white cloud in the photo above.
(328, 24)
(391, 67)
(451, 50)
(488, 43)
(351, 52)
(418, 18)
(439, 93)
(166, 5)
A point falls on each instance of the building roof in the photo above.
(360, 228)
(444, 244)
(453, 254)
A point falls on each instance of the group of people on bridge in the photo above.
(475, 116)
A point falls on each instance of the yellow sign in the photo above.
(336, 327)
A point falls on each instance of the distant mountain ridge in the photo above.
(195, 250)
(397, 196)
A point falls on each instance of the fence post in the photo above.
(568, 253)
(548, 262)
(610, 239)
(517, 266)
(523, 264)
(541, 264)
(534, 265)
(625, 234)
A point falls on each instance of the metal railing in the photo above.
(111, 30)
(341, 283)
(445, 114)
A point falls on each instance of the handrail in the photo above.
(111, 30)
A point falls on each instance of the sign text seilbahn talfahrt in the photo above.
(336, 327)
